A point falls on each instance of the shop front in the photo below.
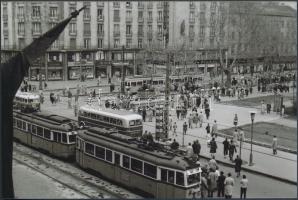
(75, 72)
(55, 73)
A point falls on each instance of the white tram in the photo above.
(26, 102)
(123, 159)
(125, 122)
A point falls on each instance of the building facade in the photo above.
(108, 35)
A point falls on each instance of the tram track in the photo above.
(69, 175)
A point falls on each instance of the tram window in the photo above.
(59, 137)
(109, 155)
(140, 83)
(64, 138)
(39, 131)
(72, 138)
(34, 129)
(19, 124)
(117, 159)
(150, 170)
(100, 152)
(133, 84)
(192, 179)
(24, 125)
(105, 119)
(93, 116)
(137, 165)
(99, 117)
(160, 82)
(164, 175)
(55, 136)
(171, 176)
(125, 162)
(113, 121)
(29, 128)
(47, 134)
(179, 178)
(131, 123)
(89, 148)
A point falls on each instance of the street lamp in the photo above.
(252, 116)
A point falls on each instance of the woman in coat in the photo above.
(212, 177)
(238, 163)
(204, 186)
(213, 147)
(229, 184)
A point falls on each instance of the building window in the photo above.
(202, 43)
(202, 6)
(116, 43)
(137, 165)
(87, 30)
(86, 43)
(21, 28)
(140, 43)
(233, 35)
(202, 31)
(116, 4)
(36, 27)
(72, 43)
(20, 11)
(159, 27)
(191, 30)
(159, 15)
(72, 28)
(99, 43)
(109, 155)
(72, 9)
(116, 15)
(35, 11)
(128, 4)
(212, 41)
(128, 43)
(55, 44)
(191, 15)
(140, 14)
(21, 43)
(100, 29)
(212, 31)
(128, 29)
(213, 6)
(128, 14)
(150, 15)
(86, 13)
(99, 13)
(116, 29)
(53, 11)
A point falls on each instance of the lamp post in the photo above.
(252, 116)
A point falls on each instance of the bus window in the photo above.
(119, 122)
(72, 139)
(131, 123)
(117, 159)
(150, 170)
(89, 148)
(100, 152)
(39, 131)
(47, 134)
(109, 155)
(171, 176)
(64, 138)
(136, 165)
(125, 161)
(179, 178)
(164, 175)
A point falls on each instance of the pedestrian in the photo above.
(221, 185)
(197, 149)
(274, 145)
(212, 180)
(208, 128)
(45, 85)
(268, 108)
(207, 111)
(213, 147)
(52, 98)
(170, 123)
(175, 128)
(76, 109)
(226, 147)
(201, 119)
(196, 119)
(69, 98)
(235, 122)
(262, 107)
(204, 185)
(184, 128)
(243, 186)
(238, 163)
(144, 114)
(232, 150)
(190, 121)
(214, 129)
(41, 97)
(212, 163)
(229, 184)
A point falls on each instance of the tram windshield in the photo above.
(193, 176)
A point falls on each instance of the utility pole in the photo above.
(123, 73)
(167, 96)
(40, 74)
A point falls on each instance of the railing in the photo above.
(116, 34)
(140, 19)
(36, 18)
(87, 33)
(129, 34)
(149, 19)
(100, 34)
(100, 18)
(128, 19)
(73, 33)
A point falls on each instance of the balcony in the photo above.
(72, 33)
(36, 18)
(116, 33)
(129, 34)
(36, 33)
(116, 4)
(191, 5)
(128, 19)
(102, 62)
(159, 34)
(87, 33)
(100, 18)
(117, 19)
(192, 20)
(141, 20)
(54, 63)
(100, 34)
(21, 17)
(150, 5)
(149, 19)
(86, 17)
(72, 3)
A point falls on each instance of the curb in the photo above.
(254, 171)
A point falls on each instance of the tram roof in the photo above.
(27, 95)
(129, 146)
(112, 113)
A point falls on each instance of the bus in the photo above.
(26, 102)
(125, 122)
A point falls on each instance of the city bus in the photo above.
(26, 102)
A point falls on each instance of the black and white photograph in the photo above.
(148, 99)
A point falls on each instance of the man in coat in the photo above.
(232, 150)
(238, 163)
(229, 184)
(226, 147)
(213, 147)
(221, 185)
(212, 182)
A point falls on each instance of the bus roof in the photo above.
(27, 95)
(112, 113)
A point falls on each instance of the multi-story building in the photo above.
(108, 35)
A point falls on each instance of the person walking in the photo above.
(243, 187)
(207, 111)
(69, 98)
(201, 119)
(212, 163)
(41, 97)
(232, 150)
(204, 185)
(196, 119)
(213, 147)
(221, 185)
(235, 137)
(197, 149)
(212, 179)
(238, 163)
(174, 145)
(226, 147)
(190, 121)
(229, 185)
(208, 128)
(175, 128)
(144, 114)
(189, 151)
(274, 145)
(184, 128)
(214, 129)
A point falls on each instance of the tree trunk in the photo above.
(229, 78)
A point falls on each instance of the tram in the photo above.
(125, 122)
(156, 171)
(26, 102)
(50, 133)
